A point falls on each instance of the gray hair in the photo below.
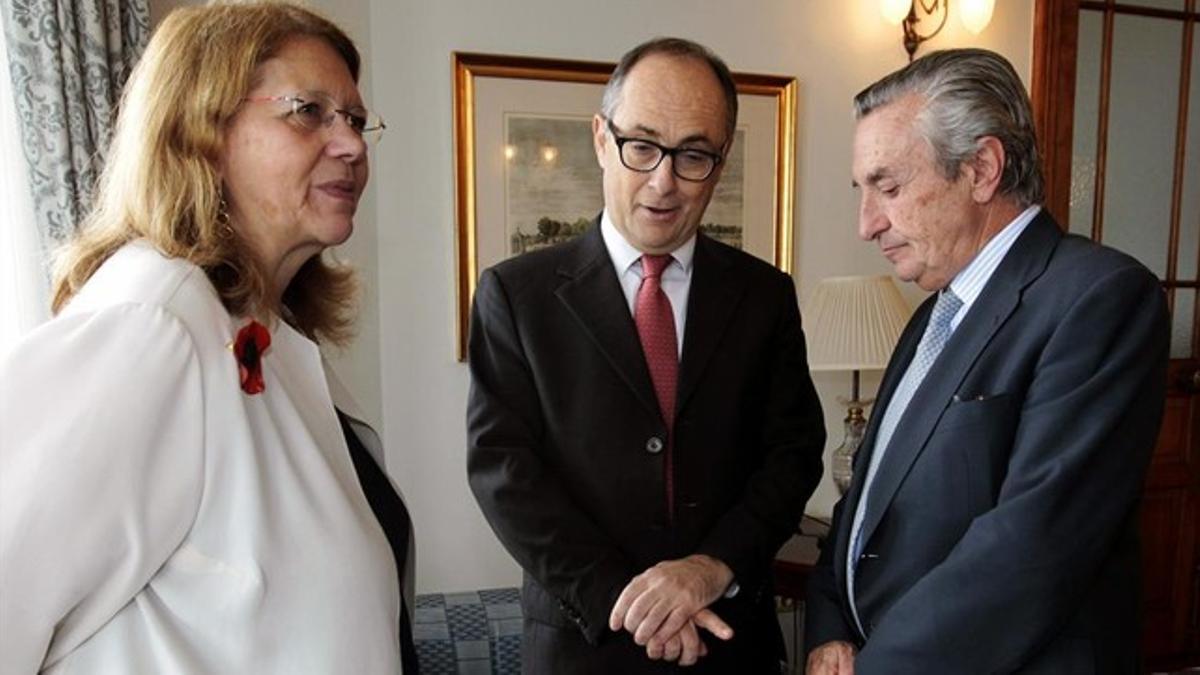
(968, 94)
(680, 47)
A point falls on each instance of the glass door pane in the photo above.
(1183, 323)
(1189, 211)
(1176, 5)
(1139, 168)
(1087, 116)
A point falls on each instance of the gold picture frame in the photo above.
(492, 90)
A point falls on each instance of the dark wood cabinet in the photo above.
(1170, 520)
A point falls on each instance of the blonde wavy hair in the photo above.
(161, 180)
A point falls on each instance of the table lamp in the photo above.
(853, 323)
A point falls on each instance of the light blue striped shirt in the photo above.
(969, 283)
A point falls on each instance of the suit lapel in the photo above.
(905, 349)
(1025, 261)
(714, 295)
(593, 295)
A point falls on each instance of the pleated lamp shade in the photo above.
(853, 323)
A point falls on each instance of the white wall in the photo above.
(404, 369)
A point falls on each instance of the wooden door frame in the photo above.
(1052, 93)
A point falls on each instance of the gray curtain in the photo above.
(68, 60)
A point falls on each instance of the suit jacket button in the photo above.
(654, 445)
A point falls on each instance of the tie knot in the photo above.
(653, 265)
(945, 308)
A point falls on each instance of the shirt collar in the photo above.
(624, 255)
(969, 283)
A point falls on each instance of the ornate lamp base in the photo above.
(843, 455)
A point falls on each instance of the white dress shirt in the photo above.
(154, 518)
(676, 277)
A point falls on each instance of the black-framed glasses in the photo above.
(315, 110)
(644, 156)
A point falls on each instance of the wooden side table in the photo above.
(795, 561)
(793, 565)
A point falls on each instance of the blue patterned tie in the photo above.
(937, 332)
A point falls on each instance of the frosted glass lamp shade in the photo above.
(976, 14)
(894, 11)
(853, 323)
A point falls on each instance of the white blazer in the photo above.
(156, 519)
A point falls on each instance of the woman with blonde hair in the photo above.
(178, 491)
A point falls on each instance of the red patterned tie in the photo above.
(656, 329)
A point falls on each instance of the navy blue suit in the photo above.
(1001, 533)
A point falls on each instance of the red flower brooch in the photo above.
(252, 342)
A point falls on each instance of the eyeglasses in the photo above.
(643, 156)
(314, 110)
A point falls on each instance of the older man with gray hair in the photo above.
(991, 523)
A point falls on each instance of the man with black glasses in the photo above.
(643, 433)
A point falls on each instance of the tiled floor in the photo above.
(477, 633)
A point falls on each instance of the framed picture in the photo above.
(526, 175)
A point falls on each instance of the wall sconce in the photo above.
(975, 15)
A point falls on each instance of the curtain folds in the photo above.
(24, 285)
(68, 60)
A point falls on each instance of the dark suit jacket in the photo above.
(389, 509)
(1001, 534)
(564, 444)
